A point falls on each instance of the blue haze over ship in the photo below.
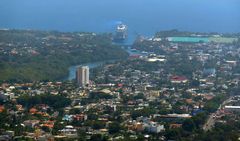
(143, 17)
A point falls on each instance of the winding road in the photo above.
(212, 118)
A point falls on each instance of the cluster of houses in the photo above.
(144, 94)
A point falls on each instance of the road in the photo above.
(211, 120)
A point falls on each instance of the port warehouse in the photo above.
(202, 39)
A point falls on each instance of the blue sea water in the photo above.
(143, 17)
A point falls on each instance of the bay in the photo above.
(92, 65)
(143, 17)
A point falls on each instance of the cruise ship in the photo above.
(121, 32)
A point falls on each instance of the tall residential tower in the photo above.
(82, 76)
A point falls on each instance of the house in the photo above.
(7, 135)
(3, 96)
(139, 127)
(209, 72)
(5, 138)
(80, 117)
(68, 117)
(19, 107)
(154, 127)
(175, 125)
(189, 101)
(1, 108)
(33, 110)
(179, 79)
(49, 124)
(69, 131)
(31, 123)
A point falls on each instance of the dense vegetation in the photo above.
(55, 101)
(37, 55)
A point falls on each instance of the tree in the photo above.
(189, 125)
(98, 137)
(98, 124)
(139, 96)
(57, 126)
(195, 83)
(55, 101)
(114, 127)
(173, 134)
(199, 119)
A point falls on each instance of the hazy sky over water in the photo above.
(142, 16)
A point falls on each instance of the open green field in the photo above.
(222, 39)
(202, 39)
(188, 39)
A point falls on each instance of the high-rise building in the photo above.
(82, 76)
